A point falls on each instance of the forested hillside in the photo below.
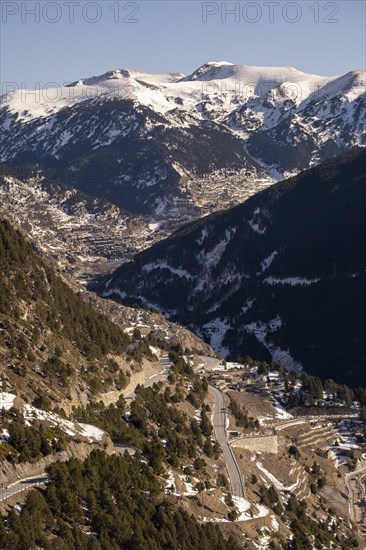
(81, 510)
(52, 343)
(280, 277)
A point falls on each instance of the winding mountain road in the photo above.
(7, 491)
(207, 363)
(352, 500)
(219, 424)
(166, 365)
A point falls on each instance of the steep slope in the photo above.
(146, 141)
(320, 125)
(53, 344)
(281, 276)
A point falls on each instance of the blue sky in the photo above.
(59, 42)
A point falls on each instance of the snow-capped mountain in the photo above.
(278, 277)
(144, 140)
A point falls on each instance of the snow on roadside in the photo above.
(262, 511)
(214, 520)
(244, 515)
(242, 504)
(227, 422)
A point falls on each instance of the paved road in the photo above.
(207, 363)
(7, 491)
(283, 424)
(219, 424)
(351, 493)
(11, 489)
(166, 365)
(122, 448)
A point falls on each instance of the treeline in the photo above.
(93, 505)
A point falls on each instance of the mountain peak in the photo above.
(218, 63)
(221, 70)
(117, 74)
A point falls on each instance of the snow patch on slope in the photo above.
(277, 484)
(6, 400)
(292, 281)
(164, 265)
(262, 332)
(71, 428)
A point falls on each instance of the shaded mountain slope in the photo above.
(280, 276)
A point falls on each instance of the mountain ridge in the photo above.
(147, 141)
(263, 278)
